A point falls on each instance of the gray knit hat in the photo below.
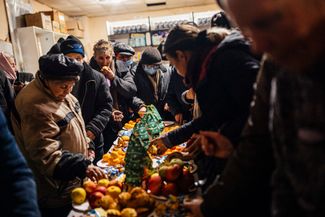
(150, 56)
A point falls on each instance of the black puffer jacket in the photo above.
(122, 87)
(225, 93)
(93, 93)
(145, 93)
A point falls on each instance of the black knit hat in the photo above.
(150, 56)
(55, 49)
(123, 48)
(72, 45)
(59, 67)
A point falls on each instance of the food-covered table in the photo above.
(140, 183)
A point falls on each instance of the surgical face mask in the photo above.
(149, 70)
(120, 62)
(129, 62)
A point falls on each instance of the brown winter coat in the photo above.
(42, 137)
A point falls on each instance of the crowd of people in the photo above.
(248, 94)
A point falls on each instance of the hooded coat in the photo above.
(225, 93)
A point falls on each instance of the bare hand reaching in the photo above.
(142, 111)
(215, 144)
(90, 135)
(193, 146)
(194, 206)
(117, 116)
(95, 173)
(91, 154)
(157, 145)
(179, 118)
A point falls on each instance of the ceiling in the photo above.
(113, 7)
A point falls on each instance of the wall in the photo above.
(84, 19)
(86, 41)
(39, 6)
(98, 24)
(4, 29)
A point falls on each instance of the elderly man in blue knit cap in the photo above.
(93, 94)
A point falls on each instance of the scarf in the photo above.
(7, 68)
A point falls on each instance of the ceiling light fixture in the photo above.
(151, 3)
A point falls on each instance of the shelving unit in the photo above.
(34, 42)
(153, 29)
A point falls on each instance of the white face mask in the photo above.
(129, 62)
(149, 70)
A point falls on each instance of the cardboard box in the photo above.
(20, 21)
(56, 26)
(75, 28)
(54, 15)
(63, 28)
(39, 20)
(61, 17)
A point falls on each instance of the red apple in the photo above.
(154, 183)
(101, 189)
(173, 172)
(186, 171)
(89, 186)
(169, 188)
(95, 199)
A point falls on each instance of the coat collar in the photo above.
(41, 85)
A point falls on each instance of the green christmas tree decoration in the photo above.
(137, 158)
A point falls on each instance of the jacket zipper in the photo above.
(83, 99)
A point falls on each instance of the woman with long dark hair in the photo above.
(220, 68)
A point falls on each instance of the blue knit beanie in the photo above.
(72, 45)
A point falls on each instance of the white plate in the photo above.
(81, 207)
(168, 123)
(102, 164)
